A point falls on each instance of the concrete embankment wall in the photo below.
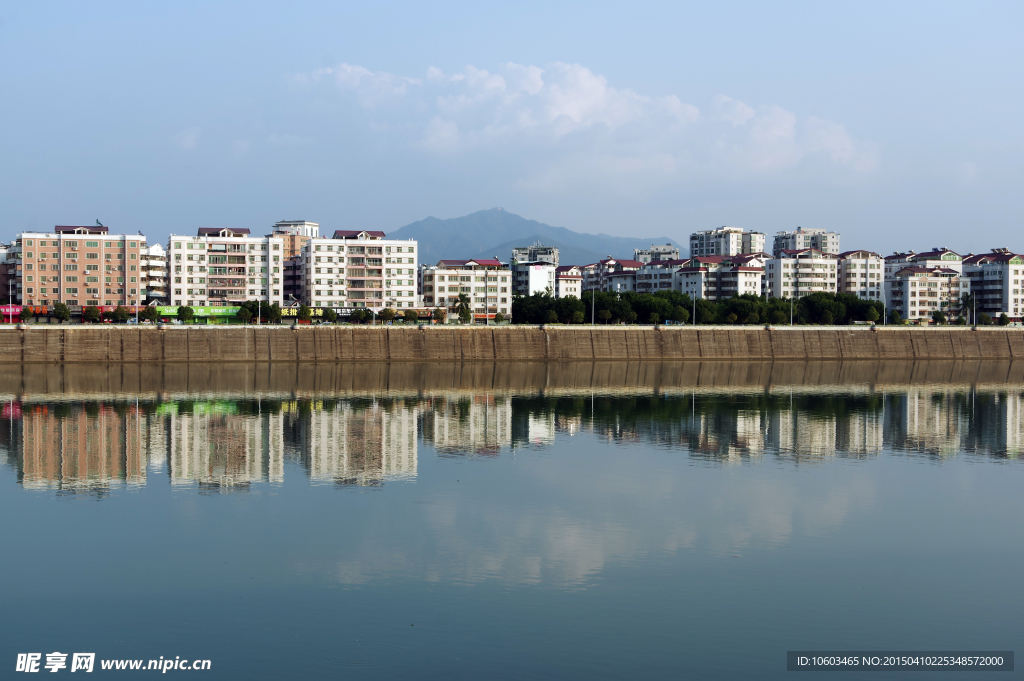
(109, 344)
(237, 380)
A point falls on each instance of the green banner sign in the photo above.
(171, 311)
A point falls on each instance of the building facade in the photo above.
(862, 274)
(717, 277)
(726, 241)
(536, 252)
(568, 281)
(802, 239)
(224, 267)
(78, 266)
(937, 257)
(794, 274)
(487, 283)
(919, 292)
(359, 268)
(154, 274)
(656, 253)
(533, 277)
(997, 283)
(611, 274)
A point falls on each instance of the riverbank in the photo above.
(116, 344)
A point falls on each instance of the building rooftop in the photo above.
(358, 234)
(223, 231)
(70, 229)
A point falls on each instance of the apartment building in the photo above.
(568, 281)
(726, 241)
(802, 239)
(658, 275)
(487, 282)
(797, 273)
(359, 268)
(918, 292)
(715, 277)
(153, 278)
(997, 282)
(862, 274)
(533, 277)
(599, 276)
(77, 266)
(656, 253)
(536, 252)
(937, 257)
(222, 267)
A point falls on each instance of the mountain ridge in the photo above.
(495, 231)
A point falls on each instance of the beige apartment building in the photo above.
(78, 266)
(919, 292)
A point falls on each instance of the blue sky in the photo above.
(898, 124)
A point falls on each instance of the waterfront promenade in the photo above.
(116, 344)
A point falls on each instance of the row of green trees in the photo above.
(673, 306)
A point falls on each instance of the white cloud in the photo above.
(564, 125)
(189, 138)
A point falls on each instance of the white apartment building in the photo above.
(78, 266)
(918, 292)
(997, 282)
(801, 239)
(153, 276)
(656, 253)
(794, 274)
(568, 281)
(487, 282)
(715, 277)
(726, 241)
(598, 276)
(359, 268)
(536, 252)
(533, 277)
(862, 274)
(222, 267)
(937, 257)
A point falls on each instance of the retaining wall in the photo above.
(110, 344)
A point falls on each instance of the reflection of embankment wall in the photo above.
(288, 380)
(107, 344)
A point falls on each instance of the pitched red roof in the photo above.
(991, 257)
(847, 254)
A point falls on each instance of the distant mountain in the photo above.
(495, 232)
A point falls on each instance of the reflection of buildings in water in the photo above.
(730, 435)
(533, 429)
(926, 420)
(80, 446)
(795, 432)
(996, 424)
(212, 443)
(457, 424)
(360, 442)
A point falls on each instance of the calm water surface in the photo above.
(486, 523)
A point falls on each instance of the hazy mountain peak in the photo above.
(495, 231)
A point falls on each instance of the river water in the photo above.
(597, 521)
